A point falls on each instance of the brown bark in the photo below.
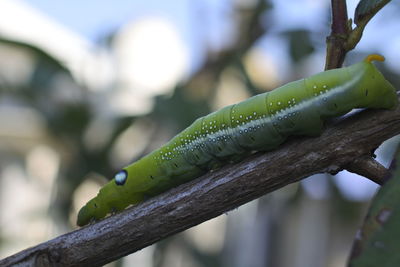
(336, 41)
(342, 142)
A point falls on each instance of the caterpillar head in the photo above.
(108, 200)
(91, 212)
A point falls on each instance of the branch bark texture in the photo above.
(343, 37)
(368, 167)
(336, 41)
(215, 193)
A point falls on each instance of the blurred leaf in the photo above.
(36, 50)
(378, 242)
(366, 9)
(300, 44)
(70, 119)
(179, 109)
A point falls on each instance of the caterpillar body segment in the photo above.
(260, 123)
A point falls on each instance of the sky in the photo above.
(196, 19)
(95, 20)
(106, 16)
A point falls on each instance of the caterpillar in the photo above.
(260, 123)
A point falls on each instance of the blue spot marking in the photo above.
(121, 177)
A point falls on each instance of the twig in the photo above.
(374, 242)
(335, 49)
(249, 31)
(214, 193)
(365, 11)
(343, 38)
(369, 168)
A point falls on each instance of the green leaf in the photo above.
(378, 241)
(41, 53)
(366, 9)
(300, 44)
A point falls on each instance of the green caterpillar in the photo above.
(260, 123)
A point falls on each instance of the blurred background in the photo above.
(87, 87)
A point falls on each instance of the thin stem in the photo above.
(339, 17)
(369, 168)
(336, 41)
(215, 193)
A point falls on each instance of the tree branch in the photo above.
(249, 30)
(379, 235)
(215, 193)
(343, 38)
(335, 42)
(369, 168)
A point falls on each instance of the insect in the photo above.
(260, 123)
